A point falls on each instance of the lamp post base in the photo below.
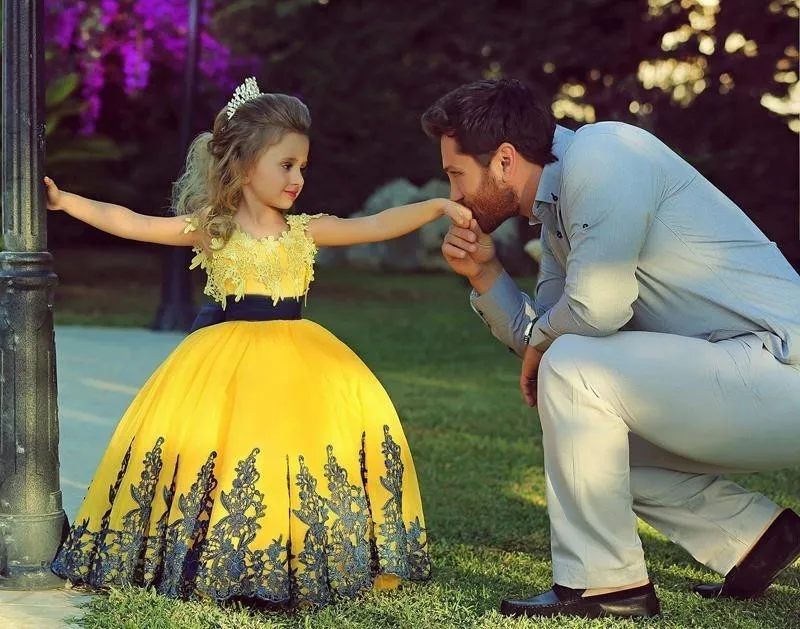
(28, 544)
(32, 519)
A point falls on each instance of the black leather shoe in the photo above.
(777, 549)
(640, 602)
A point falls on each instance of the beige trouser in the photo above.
(641, 423)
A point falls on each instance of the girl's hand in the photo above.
(460, 215)
(55, 197)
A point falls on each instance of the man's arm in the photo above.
(610, 191)
(495, 297)
(506, 310)
(550, 283)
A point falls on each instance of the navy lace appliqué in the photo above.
(168, 542)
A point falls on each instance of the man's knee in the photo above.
(561, 360)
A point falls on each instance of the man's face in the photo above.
(477, 188)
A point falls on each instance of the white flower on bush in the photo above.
(534, 249)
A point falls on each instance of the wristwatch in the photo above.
(526, 335)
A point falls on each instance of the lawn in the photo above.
(477, 449)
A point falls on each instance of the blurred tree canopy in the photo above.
(714, 79)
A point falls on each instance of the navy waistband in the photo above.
(249, 308)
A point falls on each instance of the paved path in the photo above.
(45, 609)
(99, 372)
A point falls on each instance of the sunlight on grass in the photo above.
(478, 453)
(427, 382)
(531, 487)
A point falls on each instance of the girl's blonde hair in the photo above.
(210, 187)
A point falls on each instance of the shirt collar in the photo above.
(550, 181)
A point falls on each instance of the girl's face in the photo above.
(276, 179)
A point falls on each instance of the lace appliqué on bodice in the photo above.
(284, 265)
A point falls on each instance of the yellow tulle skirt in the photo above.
(262, 461)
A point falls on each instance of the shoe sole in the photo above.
(643, 607)
(648, 608)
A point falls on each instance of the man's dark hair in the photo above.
(481, 116)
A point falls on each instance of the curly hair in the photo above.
(481, 116)
(217, 164)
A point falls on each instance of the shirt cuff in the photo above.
(503, 298)
(543, 334)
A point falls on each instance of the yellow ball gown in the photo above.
(262, 461)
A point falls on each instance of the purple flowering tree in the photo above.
(114, 71)
(97, 43)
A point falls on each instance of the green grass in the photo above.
(478, 454)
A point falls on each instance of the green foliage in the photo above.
(89, 149)
(74, 160)
(59, 91)
(62, 103)
(477, 451)
(369, 69)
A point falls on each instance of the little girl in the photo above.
(262, 461)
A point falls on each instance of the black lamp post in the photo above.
(31, 516)
(177, 309)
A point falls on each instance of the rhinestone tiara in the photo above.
(245, 92)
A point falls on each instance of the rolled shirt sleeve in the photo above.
(506, 310)
(550, 283)
(609, 197)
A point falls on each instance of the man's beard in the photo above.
(492, 204)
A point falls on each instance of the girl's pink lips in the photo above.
(293, 193)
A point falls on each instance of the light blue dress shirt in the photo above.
(634, 238)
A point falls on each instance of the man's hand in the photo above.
(528, 380)
(459, 215)
(471, 253)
